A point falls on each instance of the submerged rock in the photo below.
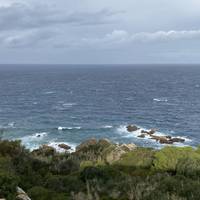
(141, 136)
(144, 132)
(152, 131)
(177, 140)
(132, 128)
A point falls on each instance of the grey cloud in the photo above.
(30, 38)
(22, 16)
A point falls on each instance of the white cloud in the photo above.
(121, 37)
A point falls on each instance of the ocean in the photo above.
(52, 104)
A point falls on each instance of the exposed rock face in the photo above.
(21, 195)
(117, 151)
(44, 150)
(104, 142)
(64, 146)
(166, 139)
(86, 144)
(177, 140)
(103, 150)
(132, 128)
(144, 132)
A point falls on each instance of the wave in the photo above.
(49, 92)
(122, 130)
(61, 128)
(161, 99)
(33, 137)
(63, 106)
(68, 105)
(107, 126)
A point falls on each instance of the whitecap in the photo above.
(49, 92)
(33, 137)
(161, 99)
(107, 126)
(67, 105)
(122, 130)
(61, 128)
(11, 124)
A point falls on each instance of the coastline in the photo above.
(97, 170)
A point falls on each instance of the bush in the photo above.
(40, 193)
(11, 148)
(8, 184)
(189, 167)
(167, 158)
(141, 157)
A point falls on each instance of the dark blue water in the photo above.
(98, 101)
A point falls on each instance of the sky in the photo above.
(99, 32)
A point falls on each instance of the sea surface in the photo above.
(52, 104)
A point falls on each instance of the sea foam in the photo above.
(61, 128)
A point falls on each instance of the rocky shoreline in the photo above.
(166, 139)
(99, 170)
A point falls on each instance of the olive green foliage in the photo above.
(143, 174)
(168, 158)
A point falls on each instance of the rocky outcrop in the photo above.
(104, 142)
(117, 151)
(141, 136)
(64, 146)
(102, 150)
(167, 139)
(152, 131)
(44, 150)
(86, 144)
(132, 128)
(161, 139)
(21, 195)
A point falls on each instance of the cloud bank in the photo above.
(99, 31)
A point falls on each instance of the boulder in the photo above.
(177, 140)
(64, 146)
(165, 141)
(132, 128)
(141, 136)
(161, 139)
(104, 142)
(152, 131)
(86, 144)
(118, 150)
(21, 195)
(144, 132)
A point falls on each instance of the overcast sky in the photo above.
(100, 31)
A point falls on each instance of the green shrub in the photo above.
(8, 184)
(11, 148)
(189, 167)
(141, 157)
(167, 158)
